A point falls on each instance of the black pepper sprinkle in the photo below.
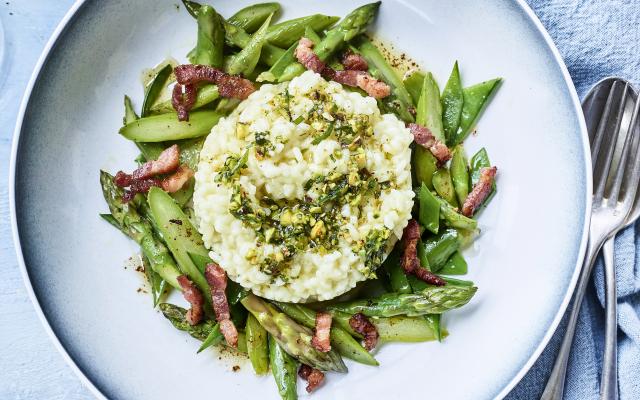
(176, 221)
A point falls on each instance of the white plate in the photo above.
(525, 263)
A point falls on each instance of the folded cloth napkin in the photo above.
(597, 38)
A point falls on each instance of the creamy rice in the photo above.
(302, 191)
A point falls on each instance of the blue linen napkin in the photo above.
(597, 38)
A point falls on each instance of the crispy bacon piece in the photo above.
(217, 279)
(425, 138)
(354, 61)
(183, 102)
(176, 181)
(321, 340)
(228, 85)
(193, 295)
(356, 78)
(480, 191)
(363, 326)
(122, 179)
(313, 377)
(409, 261)
(139, 186)
(167, 162)
(429, 277)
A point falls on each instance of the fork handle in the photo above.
(555, 385)
(609, 383)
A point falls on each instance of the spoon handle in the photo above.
(609, 383)
(555, 385)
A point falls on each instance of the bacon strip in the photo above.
(183, 102)
(321, 340)
(228, 85)
(139, 186)
(217, 279)
(175, 182)
(354, 61)
(314, 377)
(350, 77)
(167, 162)
(363, 326)
(480, 191)
(409, 261)
(193, 295)
(425, 138)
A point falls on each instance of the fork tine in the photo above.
(628, 173)
(603, 147)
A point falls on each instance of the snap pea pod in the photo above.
(459, 174)
(284, 369)
(384, 71)
(277, 69)
(206, 94)
(341, 320)
(154, 88)
(242, 343)
(433, 321)
(310, 34)
(397, 277)
(429, 109)
(257, 346)
(192, 7)
(286, 33)
(424, 166)
(439, 248)
(214, 338)
(352, 25)
(165, 127)
(429, 210)
(251, 17)
(475, 99)
(237, 37)
(403, 329)
(147, 149)
(413, 83)
(177, 316)
(129, 220)
(246, 60)
(478, 161)
(444, 186)
(457, 282)
(210, 44)
(455, 265)
(432, 300)
(453, 218)
(452, 101)
(341, 340)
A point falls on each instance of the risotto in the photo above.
(303, 190)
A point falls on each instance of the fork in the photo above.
(616, 172)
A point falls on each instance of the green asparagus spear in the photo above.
(139, 230)
(475, 99)
(439, 248)
(286, 33)
(177, 316)
(192, 7)
(341, 340)
(147, 149)
(413, 83)
(237, 37)
(257, 346)
(157, 284)
(452, 101)
(444, 186)
(352, 25)
(284, 369)
(164, 127)
(432, 300)
(429, 211)
(429, 109)
(433, 321)
(294, 338)
(459, 174)
(246, 60)
(250, 18)
(214, 338)
(403, 329)
(210, 45)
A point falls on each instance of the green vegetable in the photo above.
(161, 128)
(257, 346)
(246, 60)
(294, 338)
(439, 248)
(413, 84)
(276, 70)
(429, 211)
(432, 300)
(475, 98)
(434, 321)
(444, 186)
(310, 34)
(478, 161)
(250, 18)
(403, 329)
(397, 277)
(206, 94)
(352, 25)
(453, 218)
(327, 132)
(154, 88)
(374, 58)
(424, 166)
(237, 37)
(341, 340)
(192, 7)
(147, 149)
(429, 109)
(459, 174)
(157, 284)
(138, 229)
(452, 101)
(456, 282)
(286, 33)
(284, 369)
(214, 338)
(455, 265)
(210, 45)
(341, 320)
(177, 316)
(181, 236)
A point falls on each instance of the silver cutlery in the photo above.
(616, 172)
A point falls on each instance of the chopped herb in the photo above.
(232, 166)
(325, 134)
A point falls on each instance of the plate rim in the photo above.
(50, 46)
